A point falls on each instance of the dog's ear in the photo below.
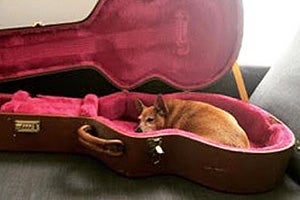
(139, 105)
(160, 106)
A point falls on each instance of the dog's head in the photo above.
(153, 117)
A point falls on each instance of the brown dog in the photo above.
(205, 120)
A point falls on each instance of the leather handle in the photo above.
(111, 147)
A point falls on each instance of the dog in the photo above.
(203, 119)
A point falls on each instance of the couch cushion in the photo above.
(65, 176)
(279, 93)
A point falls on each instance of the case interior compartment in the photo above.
(119, 112)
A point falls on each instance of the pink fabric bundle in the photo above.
(21, 102)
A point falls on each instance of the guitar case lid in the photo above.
(186, 43)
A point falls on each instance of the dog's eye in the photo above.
(149, 119)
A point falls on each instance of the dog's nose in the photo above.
(138, 130)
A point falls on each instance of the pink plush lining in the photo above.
(131, 41)
(21, 102)
(118, 112)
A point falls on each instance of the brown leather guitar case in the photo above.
(188, 44)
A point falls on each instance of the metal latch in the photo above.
(155, 149)
(27, 126)
(297, 145)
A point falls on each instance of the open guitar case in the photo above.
(187, 44)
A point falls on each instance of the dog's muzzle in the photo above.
(138, 129)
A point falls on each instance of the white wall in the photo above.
(20, 13)
(269, 28)
(269, 25)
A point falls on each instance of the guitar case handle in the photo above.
(111, 147)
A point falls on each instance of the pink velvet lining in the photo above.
(118, 112)
(21, 102)
(133, 41)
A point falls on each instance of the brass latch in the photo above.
(27, 126)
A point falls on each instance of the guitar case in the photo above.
(187, 44)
